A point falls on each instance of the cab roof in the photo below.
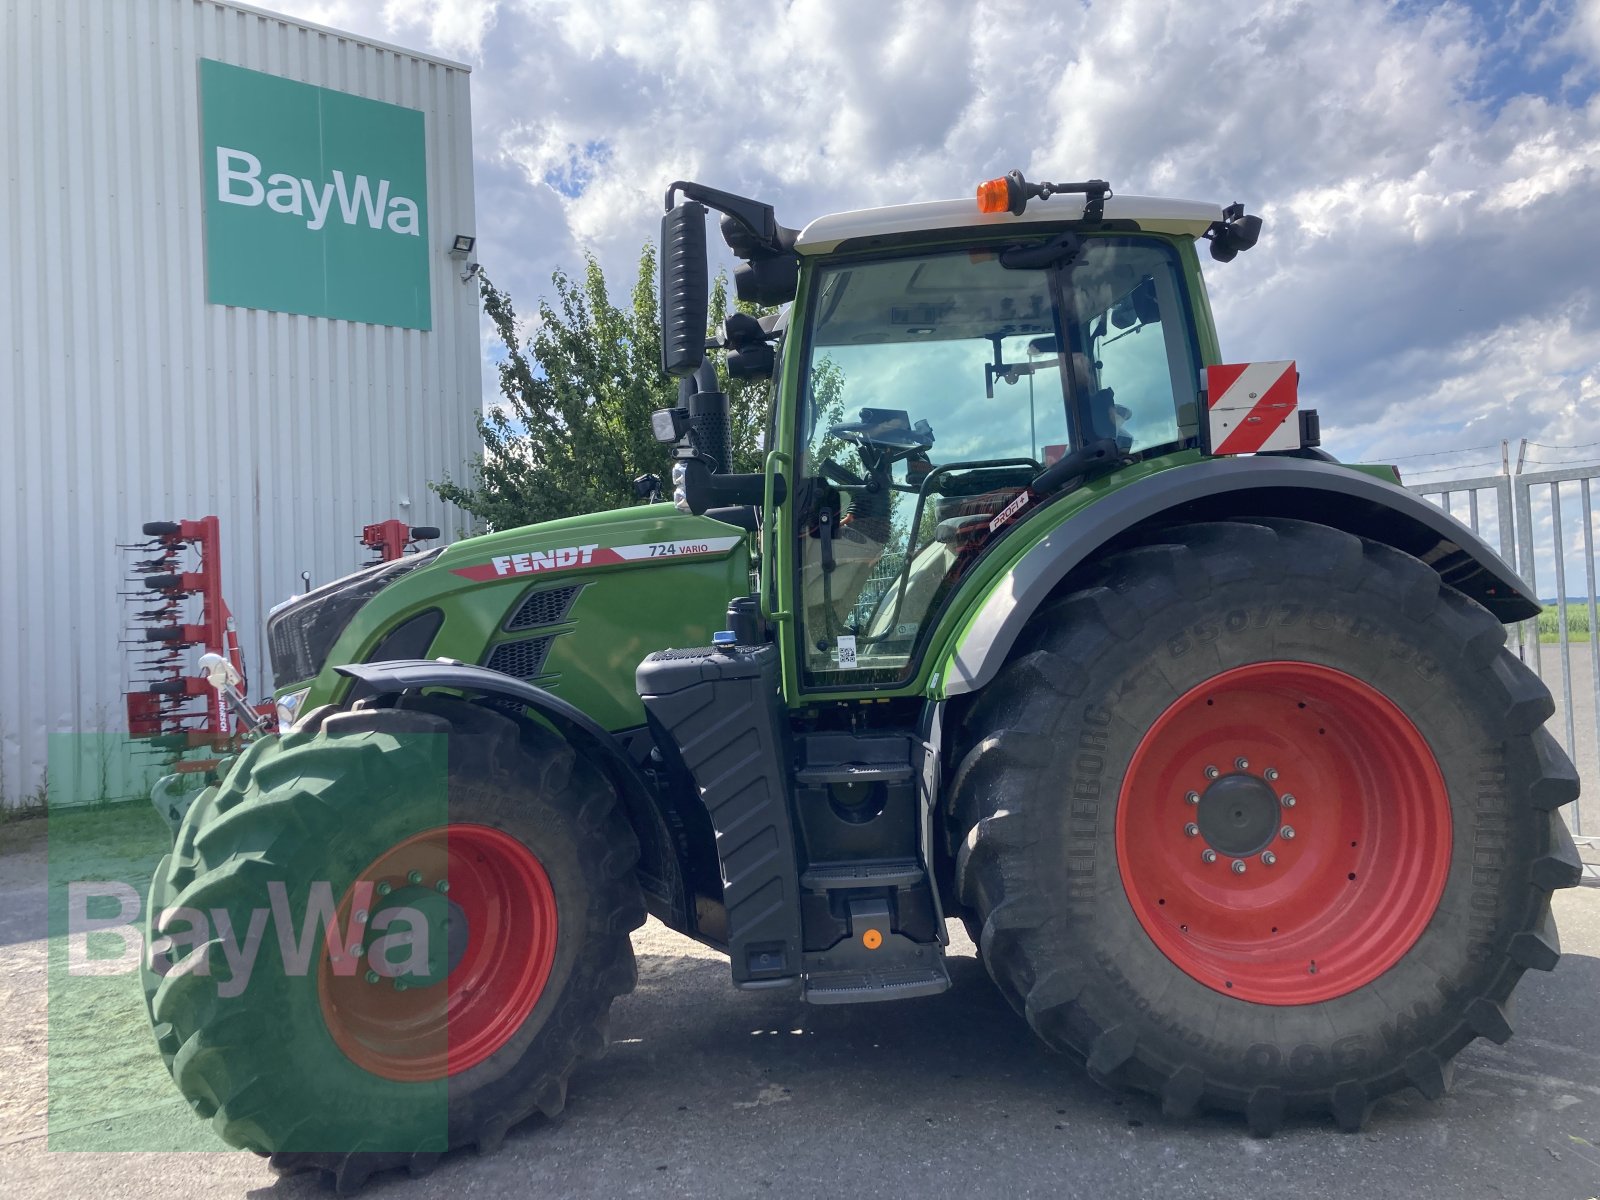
(1151, 213)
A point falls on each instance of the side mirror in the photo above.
(1235, 232)
(750, 354)
(685, 288)
(752, 362)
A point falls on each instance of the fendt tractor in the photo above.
(1041, 616)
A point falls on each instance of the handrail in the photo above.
(769, 541)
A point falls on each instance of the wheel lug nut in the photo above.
(356, 949)
(399, 985)
(442, 886)
(1192, 798)
(1238, 867)
(1212, 772)
(384, 889)
(1191, 830)
(361, 917)
(1287, 833)
(372, 977)
(1208, 856)
(1270, 774)
(414, 877)
(1287, 800)
(1242, 763)
(1268, 858)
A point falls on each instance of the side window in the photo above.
(1142, 361)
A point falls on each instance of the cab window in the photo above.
(936, 387)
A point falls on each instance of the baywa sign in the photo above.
(316, 200)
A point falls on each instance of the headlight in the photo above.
(680, 477)
(301, 635)
(289, 708)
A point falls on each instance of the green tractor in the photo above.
(1041, 616)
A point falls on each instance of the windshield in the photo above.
(937, 386)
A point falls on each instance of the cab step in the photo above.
(874, 962)
(888, 983)
(833, 877)
(854, 772)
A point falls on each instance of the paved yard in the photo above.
(709, 1092)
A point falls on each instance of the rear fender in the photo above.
(1233, 488)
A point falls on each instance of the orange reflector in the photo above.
(872, 939)
(994, 195)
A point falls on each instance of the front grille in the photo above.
(521, 660)
(544, 606)
(301, 632)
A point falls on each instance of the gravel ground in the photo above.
(710, 1092)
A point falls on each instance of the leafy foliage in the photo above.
(572, 429)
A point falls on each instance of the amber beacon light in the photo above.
(998, 195)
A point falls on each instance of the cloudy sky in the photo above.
(1429, 174)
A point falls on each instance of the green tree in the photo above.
(572, 429)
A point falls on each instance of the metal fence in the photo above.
(1544, 523)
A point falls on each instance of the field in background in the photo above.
(1577, 623)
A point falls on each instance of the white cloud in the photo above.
(1428, 178)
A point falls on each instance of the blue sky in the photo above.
(1429, 174)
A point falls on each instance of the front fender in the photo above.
(662, 865)
(1234, 488)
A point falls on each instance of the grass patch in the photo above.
(1577, 623)
(108, 1089)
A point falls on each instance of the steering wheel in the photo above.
(882, 437)
(886, 433)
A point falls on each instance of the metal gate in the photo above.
(1544, 523)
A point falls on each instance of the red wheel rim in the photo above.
(1296, 888)
(478, 989)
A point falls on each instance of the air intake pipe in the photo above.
(708, 417)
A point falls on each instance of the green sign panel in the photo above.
(316, 200)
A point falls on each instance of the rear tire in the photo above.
(1083, 871)
(320, 1077)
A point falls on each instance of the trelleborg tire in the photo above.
(441, 814)
(1263, 817)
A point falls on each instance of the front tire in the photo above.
(508, 846)
(1151, 901)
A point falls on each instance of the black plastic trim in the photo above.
(1239, 487)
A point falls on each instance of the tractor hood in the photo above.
(560, 604)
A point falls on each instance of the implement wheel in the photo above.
(1263, 817)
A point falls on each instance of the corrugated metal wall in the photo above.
(126, 397)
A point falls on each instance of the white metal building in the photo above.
(168, 235)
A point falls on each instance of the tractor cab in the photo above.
(945, 371)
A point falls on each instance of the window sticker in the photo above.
(847, 653)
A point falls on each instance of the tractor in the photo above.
(1041, 616)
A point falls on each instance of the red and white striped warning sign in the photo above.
(1249, 406)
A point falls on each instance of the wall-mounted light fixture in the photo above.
(462, 246)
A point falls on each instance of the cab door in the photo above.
(930, 388)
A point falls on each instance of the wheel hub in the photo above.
(445, 929)
(1239, 815)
